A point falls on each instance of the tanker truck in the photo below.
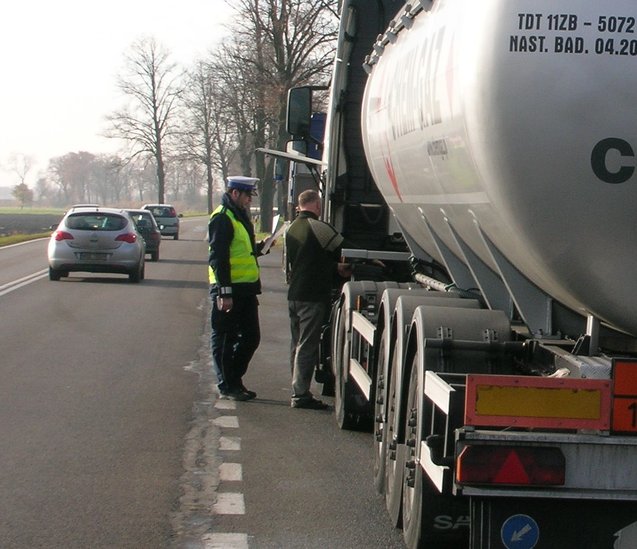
(482, 153)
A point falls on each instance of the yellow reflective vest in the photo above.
(243, 262)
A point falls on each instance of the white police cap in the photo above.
(242, 183)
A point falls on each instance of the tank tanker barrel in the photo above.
(504, 139)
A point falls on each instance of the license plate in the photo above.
(93, 256)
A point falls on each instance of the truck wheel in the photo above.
(394, 452)
(412, 478)
(423, 505)
(428, 501)
(345, 419)
(380, 422)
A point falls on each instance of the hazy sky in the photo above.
(60, 60)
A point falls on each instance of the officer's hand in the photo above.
(224, 304)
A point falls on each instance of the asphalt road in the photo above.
(111, 435)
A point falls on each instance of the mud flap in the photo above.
(528, 523)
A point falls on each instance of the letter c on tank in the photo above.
(600, 167)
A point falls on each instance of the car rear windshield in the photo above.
(163, 211)
(96, 222)
(142, 220)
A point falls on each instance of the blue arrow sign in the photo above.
(520, 532)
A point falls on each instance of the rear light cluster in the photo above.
(128, 237)
(511, 465)
(62, 235)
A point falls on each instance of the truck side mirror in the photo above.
(299, 112)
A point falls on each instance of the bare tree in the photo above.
(107, 183)
(208, 133)
(43, 190)
(20, 165)
(278, 44)
(73, 174)
(139, 174)
(152, 85)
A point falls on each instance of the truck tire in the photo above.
(346, 418)
(382, 372)
(394, 453)
(424, 504)
(353, 410)
(412, 478)
(380, 421)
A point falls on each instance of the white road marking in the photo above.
(229, 422)
(230, 472)
(225, 541)
(229, 503)
(15, 284)
(232, 444)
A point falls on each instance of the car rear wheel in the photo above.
(176, 237)
(55, 274)
(137, 275)
(154, 256)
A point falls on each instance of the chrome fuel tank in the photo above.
(516, 119)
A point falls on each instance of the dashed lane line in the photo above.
(230, 444)
(227, 422)
(230, 472)
(229, 503)
(225, 541)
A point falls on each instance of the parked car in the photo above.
(166, 217)
(148, 228)
(96, 240)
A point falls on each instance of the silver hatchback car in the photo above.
(96, 240)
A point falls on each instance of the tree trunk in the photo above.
(161, 177)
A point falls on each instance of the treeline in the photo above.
(187, 128)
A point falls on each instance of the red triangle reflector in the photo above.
(511, 471)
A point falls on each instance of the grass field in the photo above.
(18, 225)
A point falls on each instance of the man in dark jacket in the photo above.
(234, 285)
(313, 250)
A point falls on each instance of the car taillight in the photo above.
(128, 237)
(511, 465)
(62, 235)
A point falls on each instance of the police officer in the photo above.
(234, 285)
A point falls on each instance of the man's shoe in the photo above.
(310, 404)
(234, 395)
(251, 394)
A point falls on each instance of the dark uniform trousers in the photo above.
(235, 337)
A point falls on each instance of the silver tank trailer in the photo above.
(516, 120)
